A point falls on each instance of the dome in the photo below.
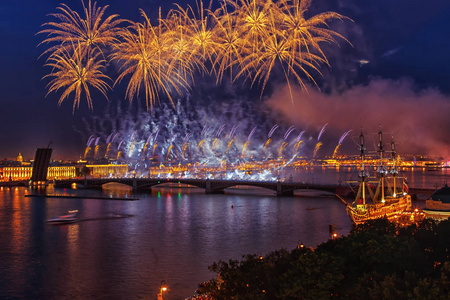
(442, 194)
(19, 158)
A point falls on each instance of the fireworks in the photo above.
(246, 38)
(74, 72)
(145, 54)
(90, 32)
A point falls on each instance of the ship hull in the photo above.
(391, 209)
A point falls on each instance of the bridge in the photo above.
(210, 186)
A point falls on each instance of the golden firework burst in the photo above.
(306, 34)
(75, 72)
(231, 46)
(247, 38)
(199, 31)
(185, 60)
(146, 54)
(88, 32)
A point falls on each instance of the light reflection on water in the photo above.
(123, 249)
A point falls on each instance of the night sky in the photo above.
(396, 74)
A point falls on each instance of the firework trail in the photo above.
(204, 130)
(299, 137)
(148, 139)
(89, 141)
(321, 132)
(109, 137)
(288, 132)
(233, 131)
(120, 144)
(186, 138)
(114, 137)
(344, 136)
(316, 149)
(272, 130)
(251, 133)
(219, 131)
(162, 129)
(340, 142)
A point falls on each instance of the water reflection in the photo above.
(123, 249)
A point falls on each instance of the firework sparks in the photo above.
(321, 131)
(252, 37)
(273, 130)
(90, 32)
(288, 132)
(200, 33)
(344, 136)
(251, 133)
(307, 33)
(145, 55)
(76, 73)
(231, 48)
(299, 137)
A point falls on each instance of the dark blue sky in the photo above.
(399, 39)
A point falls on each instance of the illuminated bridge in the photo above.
(210, 186)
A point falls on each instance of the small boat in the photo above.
(438, 206)
(71, 217)
(378, 204)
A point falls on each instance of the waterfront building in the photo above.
(62, 172)
(110, 170)
(24, 173)
(438, 206)
(16, 173)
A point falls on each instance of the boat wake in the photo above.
(112, 216)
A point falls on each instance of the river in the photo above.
(124, 249)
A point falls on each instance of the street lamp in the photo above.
(162, 290)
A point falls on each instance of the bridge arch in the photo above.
(172, 184)
(245, 187)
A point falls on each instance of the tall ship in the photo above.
(380, 198)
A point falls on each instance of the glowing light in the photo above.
(321, 131)
(89, 33)
(316, 149)
(243, 148)
(145, 53)
(335, 151)
(75, 72)
(297, 146)
(168, 151)
(249, 36)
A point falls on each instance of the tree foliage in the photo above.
(377, 260)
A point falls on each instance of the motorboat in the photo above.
(71, 217)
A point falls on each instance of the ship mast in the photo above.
(394, 170)
(381, 167)
(362, 174)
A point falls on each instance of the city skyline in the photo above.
(397, 64)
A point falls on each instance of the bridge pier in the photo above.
(285, 193)
(208, 186)
(214, 192)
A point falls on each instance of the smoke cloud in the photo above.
(417, 119)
